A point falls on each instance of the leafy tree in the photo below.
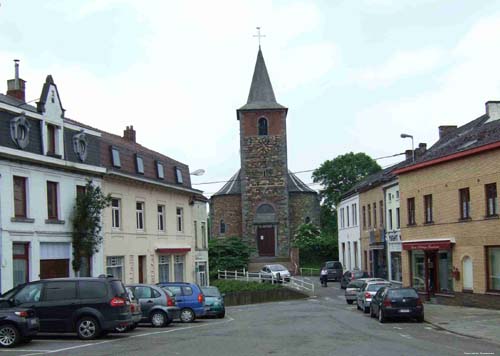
(315, 245)
(87, 223)
(228, 254)
(340, 174)
(307, 237)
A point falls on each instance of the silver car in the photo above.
(275, 272)
(366, 293)
(352, 289)
(157, 305)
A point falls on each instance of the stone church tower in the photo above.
(263, 203)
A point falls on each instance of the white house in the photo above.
(392, 231)
(349, 231)
(44, 161)
(200, 228)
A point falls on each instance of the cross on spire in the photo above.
(258, 35)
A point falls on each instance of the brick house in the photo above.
(263, 203)
(449, 215)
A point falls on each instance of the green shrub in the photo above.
(231, 286)
(228, 254)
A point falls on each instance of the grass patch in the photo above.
(231, 286)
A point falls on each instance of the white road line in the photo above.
(405, 336)
(229, 319)
(23, 350)
(397, 327)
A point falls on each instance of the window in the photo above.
(347, 215)
(491, 199)
(20, 263)
(369, 215)
(355, 254)
(178, 175)
(195, 227)
(411, 211)
(396, 274)
(262, 126)
(51, 139)
(381, 207)
(52, 200)
(398, 223)
(31, 293)
(355, 214)
(59, 291)
(161, 217)
(115, 157)
(80, 190)
(397, 194)
(204, 235)
(428, 208)
(307, 220)
(164, 268)
(222, 227)
(187, 290)
(180, 219)
(389, 218)
(142, 292)
(160, 172)
(418, 269)
(114, 266)
(179, 268)
(139, 215)
(342, 218)
(464, 196)
(343, 253)
(20, 210)
(139, 164)
(493, 267)
(364, 218)
(374, 214)
(115, 213)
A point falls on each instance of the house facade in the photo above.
(45, 159)
(349, 232)
(393, 231)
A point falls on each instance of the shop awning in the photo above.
(172, 250)
(427, 244)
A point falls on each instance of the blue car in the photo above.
(189, 299)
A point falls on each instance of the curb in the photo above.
(439, 327)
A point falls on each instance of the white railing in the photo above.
(304, 285)
(308, 271)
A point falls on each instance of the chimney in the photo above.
(408, 154)
(129, 133)
(419, 152)
(446, 130)
(16, 87)
(493, 110)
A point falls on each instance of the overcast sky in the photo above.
(354, 74)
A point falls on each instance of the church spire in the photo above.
(261, 94)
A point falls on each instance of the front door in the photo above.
(266, 241)
(142, 265)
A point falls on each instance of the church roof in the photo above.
(233, 185)
(261, 94)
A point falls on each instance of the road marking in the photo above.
(328, 298)
(39, 352)
(405, 336)
(397, 327)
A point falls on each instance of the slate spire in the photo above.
(261, 94)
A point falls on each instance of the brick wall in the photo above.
(228, 208)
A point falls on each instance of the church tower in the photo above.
(264, 168)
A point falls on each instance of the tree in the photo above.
(339, 175)
(307, 237)
(315, 245)
(228, 254)
(87, 223)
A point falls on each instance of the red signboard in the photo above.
(173, 250)
(427, 245)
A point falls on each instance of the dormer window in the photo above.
(51, 139)
(115, 157)
(262, 126)
(178, 175)
(160, 170)
(139, 164)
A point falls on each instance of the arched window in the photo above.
(262, 126)
(222, 227)
(307, 220)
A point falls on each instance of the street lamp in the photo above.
(403, 135)
(198, 172)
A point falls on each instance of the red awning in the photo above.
(173, 250)
(427, 245)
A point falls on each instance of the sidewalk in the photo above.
(473, 322)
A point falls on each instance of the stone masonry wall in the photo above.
(228, 208)
(303, 205)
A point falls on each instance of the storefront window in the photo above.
(445, 268)
(418, 270)
(396, 266)
(493, 268)
(164, 268)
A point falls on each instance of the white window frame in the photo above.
(140, 216)
(179, 219)
(160, 170)
(204, 234)
(115, 159)
(161, 217)
(115, 262)
(165, 260)
(180, 260)
(116, 211)
(139, 164)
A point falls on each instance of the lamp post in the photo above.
(198, 172)
(403, 135)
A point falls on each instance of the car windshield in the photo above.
(275, 268)
(375, 287)
(211, 292)
(403, 293)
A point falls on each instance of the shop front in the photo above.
(431, 269)
(393, 240)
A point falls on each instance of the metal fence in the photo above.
(309, 271)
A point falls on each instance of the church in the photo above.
(263, 202)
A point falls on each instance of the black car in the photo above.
(88, 306)
(351, 275)
(397, 303)
(16, 324)
(334, 269)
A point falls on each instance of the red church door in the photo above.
(266, 241)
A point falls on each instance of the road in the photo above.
(324, 325)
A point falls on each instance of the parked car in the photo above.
(135, 310)
(88, 306)
(16, 324)
(397, 303)
(352, 289)
(334, 270)
(275, 272)
(157, 305)
(189, 298)
(214, 300)
(351, 275)
(366, 293)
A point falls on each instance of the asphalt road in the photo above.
(325, 325)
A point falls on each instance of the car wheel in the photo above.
(221, 315)
(158, 319)
(381, 317)
(366, 310)
(371, 313)
(357, 306)
(9, 336)
(88, 328)
(349, 301)
(133, 326)
(187, 315)
(420, 318)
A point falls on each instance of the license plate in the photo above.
(404, 310)
(33, 322)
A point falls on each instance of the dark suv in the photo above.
(16, 324)
(87, 306)
(334, 269)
